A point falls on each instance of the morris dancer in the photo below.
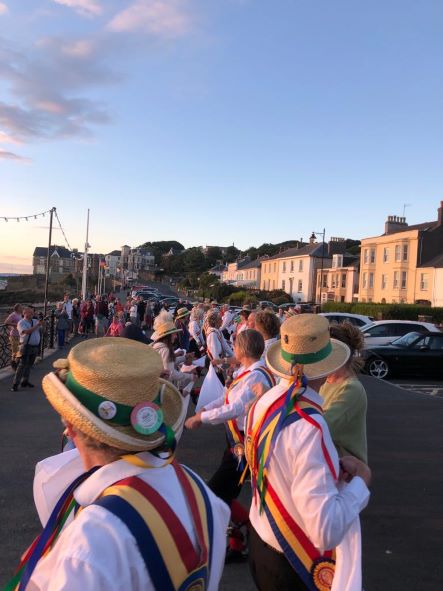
(305, 529)
(230, 409)
(131, 517)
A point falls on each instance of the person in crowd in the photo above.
(243, 324)
(230, 409)
(197, 340)
(165, 340)
(305, 529)
(268, 325)
(29, 332)
(101, 315)
(345, 399)
(182, 323)
(141, 308)
(251, 320)
(135, 529)
(87, 317)
(216, 346)
(117, 326)
(227, 326)
(281, 315)
(75, 316)
(149, 316)
(133, 312)
(11, 322)
(67, 307)
(134, 332)
(62, 323)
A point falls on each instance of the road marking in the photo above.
(429, 390)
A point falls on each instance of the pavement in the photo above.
(402, 526)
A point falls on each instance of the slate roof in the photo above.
(42, 251)
(313, 250)
(435, 262)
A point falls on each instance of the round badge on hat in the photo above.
(107, 410)
(146, 418)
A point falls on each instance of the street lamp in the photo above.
(313, 237)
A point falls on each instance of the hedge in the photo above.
(386, 311)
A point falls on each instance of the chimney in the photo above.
(336, 246)
(440, 214)
(394, 223)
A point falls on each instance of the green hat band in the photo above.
(92, 401)
(307, 358)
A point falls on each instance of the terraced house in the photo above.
(404, 264)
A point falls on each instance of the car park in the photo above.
(383, 332)
(412, 354)
(358, 320)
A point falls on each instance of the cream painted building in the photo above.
(396, 266)
(294, 271)
(340, 282)
(243, 273)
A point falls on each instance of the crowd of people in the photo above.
(119, 512)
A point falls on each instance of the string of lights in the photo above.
(27, 218)
(63, 232)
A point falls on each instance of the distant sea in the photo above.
(13, 274)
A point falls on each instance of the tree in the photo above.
(232, 254)
(213, 254)
(194, 260)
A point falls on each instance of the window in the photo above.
(424, 281)
(273, 284)
(343, 279)
(372, 256)
(275, 267)
(371, 280)
(364, 281)
(405, 252)
(300, 286)
(325, 280)
(365, 254)
(384, 281)
(397, 252)
(404, 276)
(395, 283)
(283, 284)
(292, 266)
(385, 255)
(284, 267)
(300, 265)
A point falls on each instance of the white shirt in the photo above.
(67, 307)
(96, 551)
(196, 332)
(239, 398)
(268, 343)
(327, 512)
(179, 379)
(228, 321)
(217, 345)
(33, 338)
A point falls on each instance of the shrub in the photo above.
(386, 311)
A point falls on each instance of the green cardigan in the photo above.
(344, 409)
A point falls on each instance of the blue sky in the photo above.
(213, 122)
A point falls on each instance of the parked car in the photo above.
(339, 317)
(414, 353)
(304, 308)
(266, 304)
(382, 332)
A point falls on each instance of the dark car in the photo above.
(412, 354)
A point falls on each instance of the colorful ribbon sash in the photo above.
(314, 568)
(169, 555)
(44, 542)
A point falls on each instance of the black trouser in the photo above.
(225, 483)
(26, 361)
(270, 569)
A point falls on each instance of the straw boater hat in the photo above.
(182, 313)
(164, 325)
(305, 341)
(110, 390)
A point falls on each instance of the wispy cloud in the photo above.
(3, 8)
(46, 86)
(160, 18)
(88, 8)
(11, 156)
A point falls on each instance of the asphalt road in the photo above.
(402, 527)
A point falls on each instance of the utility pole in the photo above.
(45, 305)
(85, 260)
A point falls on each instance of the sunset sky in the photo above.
(217, 121)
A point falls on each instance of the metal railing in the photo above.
(47, 340)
